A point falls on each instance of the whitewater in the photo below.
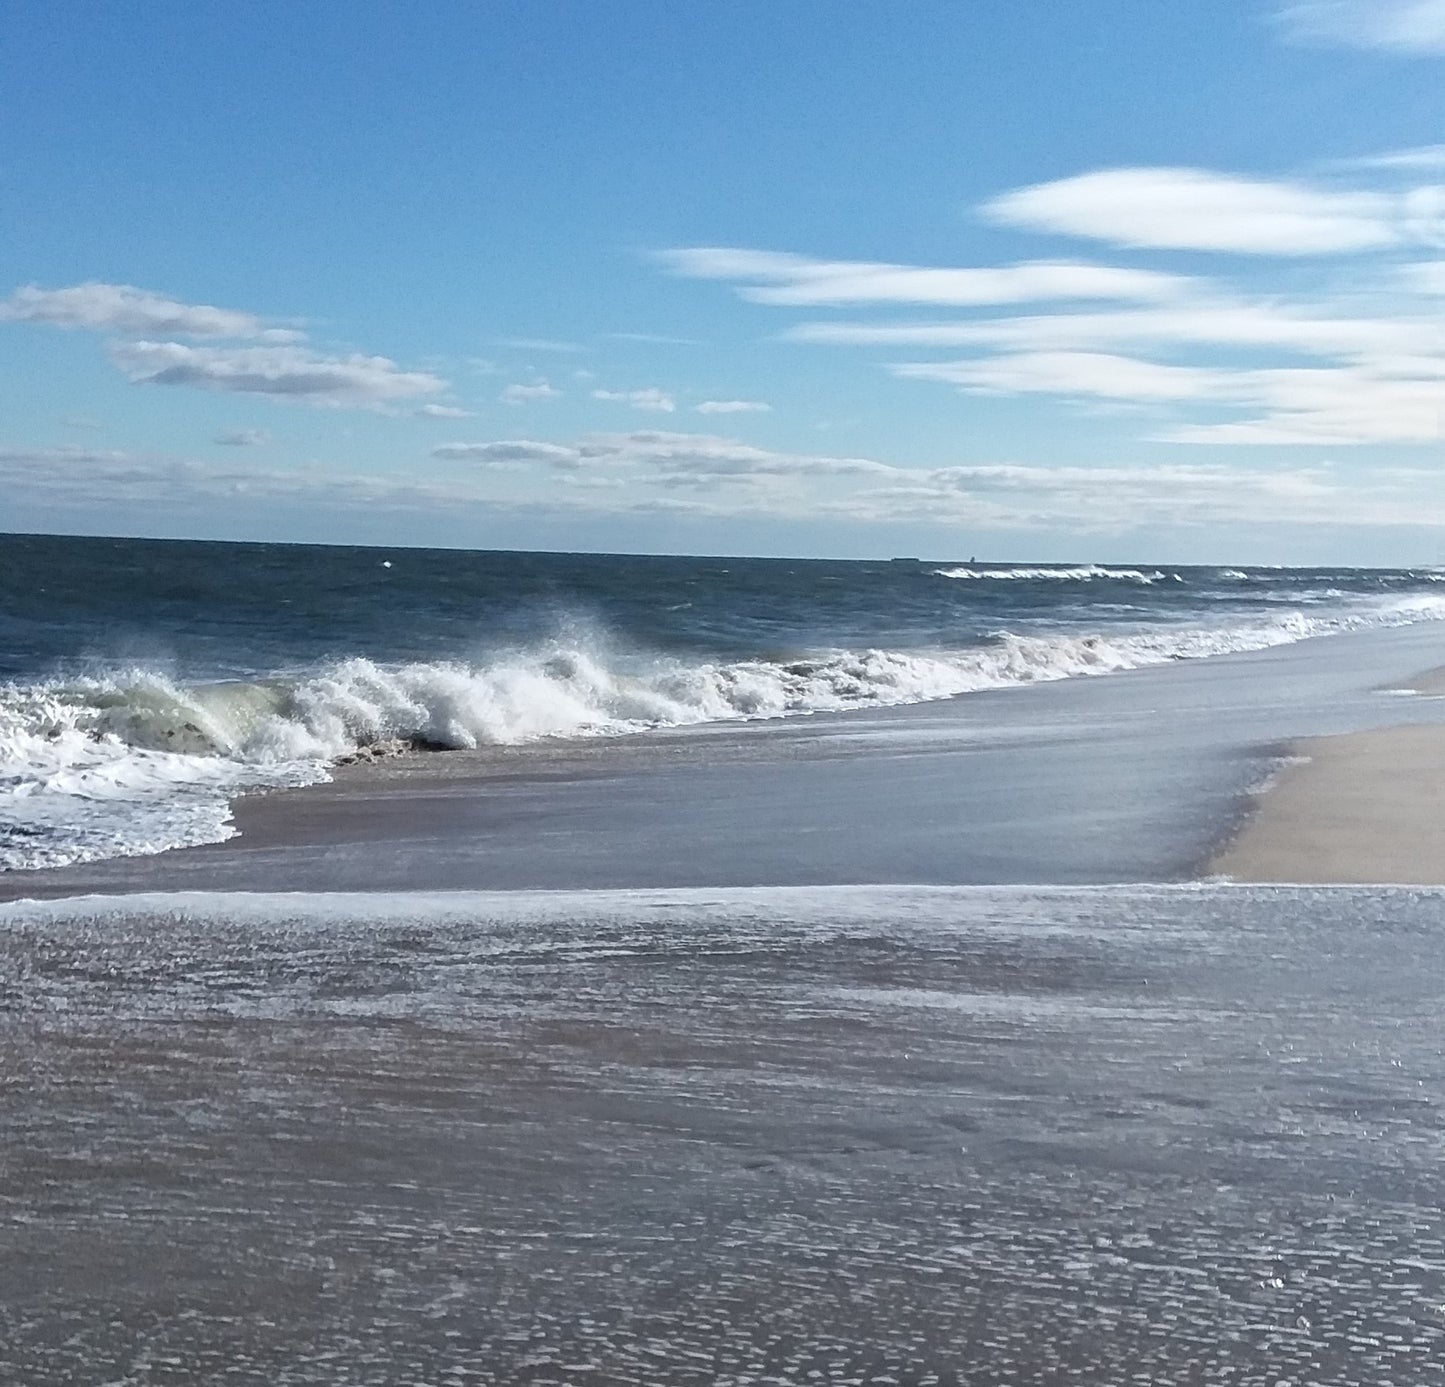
(131, 718)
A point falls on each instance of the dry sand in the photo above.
(1367, 807)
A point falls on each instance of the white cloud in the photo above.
(733, 407)
(549, 345)
(1097, 374)
(62, 456)
(658, 452)
(509, 452)
(1328, 356)
(1389, 400)
(243, 438)
(1226, 323)
(1331, 406)
(794, 280)
(274, 362)
(1427, 156)
(291, 373)
(712, 455)
(1402, 26)
(655, 339)
(528, 394)
(658, 401)
(1424, 278)
(643, 473)
(1110, 499)
(1195, 209)
(442, 412)
(99, 482)
(132, 312)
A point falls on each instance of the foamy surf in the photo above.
(1079, 573)
(133, 762)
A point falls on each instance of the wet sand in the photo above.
(986, 1137)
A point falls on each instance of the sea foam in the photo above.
(1080, 573)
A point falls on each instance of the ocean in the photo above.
(147, 683)
(720, 971)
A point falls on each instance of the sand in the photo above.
(1366, 807)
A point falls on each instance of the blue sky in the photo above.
(1116, 279)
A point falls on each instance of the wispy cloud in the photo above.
(1195, 209)
(658, 451)
(541, 344)
(732, 407)
(98, 482)
(644, 471)
(130, 312)
(510, 452)
(270, 360)
(528, 394)
(442, 412)
(62, 457)
(284, 372)
(652, 399)
(1096, 374)
(243, 438)
(796, 280)
(1400, 26)
(1208, 321)
(1397, 401)
(655, 339)
(1427, 277)
(1348, 352)
(712, 477)
(1426, 156)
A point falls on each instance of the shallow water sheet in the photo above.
(1165, 1135)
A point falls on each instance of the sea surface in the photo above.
(144, 684)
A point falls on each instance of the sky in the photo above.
(1117, 280)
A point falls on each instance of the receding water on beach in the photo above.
(147, 683)
(1121, 1135)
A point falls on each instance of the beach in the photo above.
(851, 1135)
(1365, 807)
(1141, 776)
(951, 1040)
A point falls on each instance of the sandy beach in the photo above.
(1362, 807)
(1367, 806)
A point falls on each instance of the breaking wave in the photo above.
(1082, 573)
(134, 763)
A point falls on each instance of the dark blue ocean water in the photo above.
(146, 681)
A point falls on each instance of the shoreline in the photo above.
(1359, 808)
(1144, 776)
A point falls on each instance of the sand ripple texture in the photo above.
(846, 1136)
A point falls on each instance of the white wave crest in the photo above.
(1081, 573)
(136, 763)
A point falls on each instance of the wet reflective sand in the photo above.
(874, 1135)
